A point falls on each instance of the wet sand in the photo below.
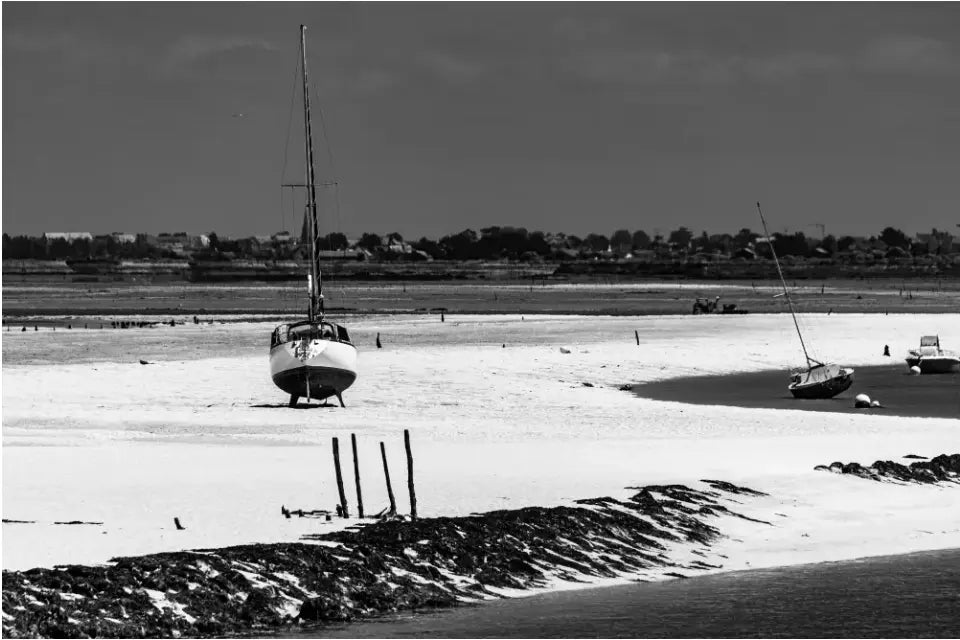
(588, 296)
(887, 597)
(899, 393)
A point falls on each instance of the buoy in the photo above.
(875, 403)
(562, 350)
(862, 401)
(915, 370)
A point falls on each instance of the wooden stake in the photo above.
(336, 464)
(386, 474)
(356, 474)
(636, 334)
(413, 493)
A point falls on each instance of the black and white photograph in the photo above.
(480, 319)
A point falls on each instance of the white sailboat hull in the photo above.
(313, 368)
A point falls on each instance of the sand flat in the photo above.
(202, 434)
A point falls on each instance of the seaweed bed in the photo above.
(942, 468)
(378, 568)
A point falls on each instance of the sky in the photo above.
(567, 117)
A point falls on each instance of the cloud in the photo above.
(783, 66)
(374, 81)
(580, 30)
(649, 67)
(450, 67)
(40, 42)
(909, 54)
(70, 47)
(901, 55)
(189, 50)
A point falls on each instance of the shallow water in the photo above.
(901, 394)
(915, 595)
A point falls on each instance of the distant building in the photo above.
(69, 236)
(123, 238)
(936, 241)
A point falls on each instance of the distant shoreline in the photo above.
(613, 296)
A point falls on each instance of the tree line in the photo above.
(490, 243)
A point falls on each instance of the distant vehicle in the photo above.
(820, 380)
(930, 358)
(706, 305)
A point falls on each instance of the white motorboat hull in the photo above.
(313, 368)
(935, 364)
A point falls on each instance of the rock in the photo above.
(260, 606)
(942, 468)
(564, 350)
(323, 608)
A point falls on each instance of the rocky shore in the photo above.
(942, 468)
(382, 567)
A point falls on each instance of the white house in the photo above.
(69, 236)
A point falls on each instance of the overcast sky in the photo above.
(560, 117)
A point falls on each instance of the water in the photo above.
(916, 595)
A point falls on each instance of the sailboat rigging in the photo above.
(820, 380)
(312, 358)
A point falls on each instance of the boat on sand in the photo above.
(931, 358)
(819, 380)
(312, 358)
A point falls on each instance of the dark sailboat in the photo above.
(819, 380)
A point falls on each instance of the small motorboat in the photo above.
(930, 358)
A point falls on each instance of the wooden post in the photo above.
(356, 474)
(636, 334)
(386, 474)
(336, 464)
(413, 494)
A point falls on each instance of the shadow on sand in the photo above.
(299, 405)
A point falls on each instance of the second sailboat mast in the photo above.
(784, 283)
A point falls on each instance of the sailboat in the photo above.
(819, 380)
(312, 358)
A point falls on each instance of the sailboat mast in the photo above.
(316, 289)
(784, 283)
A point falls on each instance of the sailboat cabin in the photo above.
(309, 331)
